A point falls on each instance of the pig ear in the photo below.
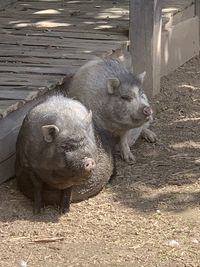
(112, 85)
(49, 132)
(88, 119)
(141, 76)
(125, 47)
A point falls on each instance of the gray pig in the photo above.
(115, 96)
(59, 154)
(123, 55)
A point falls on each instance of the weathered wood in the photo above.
(63, 33)
(145, 36)
(72, 54)
(179, 44)
(5, 3)
(10, 127)
(57, 42)
(94, 15)
(30, 78)
(73, 65)
(9, 105)
(197, 12)
(34, 70)
(13, 94)
(8, 135)
(7, 169)
(174, 12)
(34, 80)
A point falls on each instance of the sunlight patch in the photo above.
(170, 9)
(103, 27)
(188, 86)
(186, 120)
(187, 144)
(43, 24)
(47, 11)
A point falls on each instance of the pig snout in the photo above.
(89, 164)
(147, 111)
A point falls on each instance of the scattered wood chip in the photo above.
(47, 240)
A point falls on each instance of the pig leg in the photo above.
(147, 134)
(37, 188)
(125, 151)
(65, 200)
(133, 135)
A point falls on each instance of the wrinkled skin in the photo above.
(115, 97)
(58, 152)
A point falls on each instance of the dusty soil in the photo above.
(133, 221)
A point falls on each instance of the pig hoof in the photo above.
(129, 158)
(64, 210)
(38, 210)
(149, 136)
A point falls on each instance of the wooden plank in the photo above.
(174, 14)
(81, 5)
(39, 55)
(5, 3)
(145, 36)
(197, 12)
(42, 61)
(92, 35)
(179, 44)
(176, 5)
(34, 70)
(81, 14)
(34, 80)
(13, 94)
(7, 169)
(8, 135)
(104, 26)
(56, 42)
(114, 29)
(65, 30)
(28, 77)
(50, 52)
(5, 104)
(19, 87)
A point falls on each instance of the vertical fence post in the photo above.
(197, 13)
(145, 36)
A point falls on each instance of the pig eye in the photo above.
(72, 144)
(69, 146)
(126, 98)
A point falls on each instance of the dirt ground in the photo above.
(149, 215)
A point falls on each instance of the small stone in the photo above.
(197, 162)
(158, 211)
(195, 241)
(173, 243)
(23, 263)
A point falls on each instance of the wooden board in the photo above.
(8, 135)
(40, 54)
(179, 44)
(197, 13)
(174, 12)
(6, 3)
(145, 36)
